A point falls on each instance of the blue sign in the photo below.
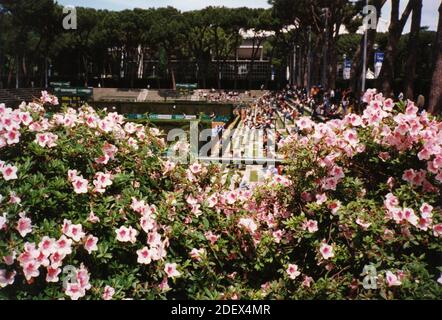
(347, 63)
(379, 57)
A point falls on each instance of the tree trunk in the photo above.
(413, 44)
(435, 106)
(394, 34)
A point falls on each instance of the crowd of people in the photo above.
(222, 96)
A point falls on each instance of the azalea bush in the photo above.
(89, 209)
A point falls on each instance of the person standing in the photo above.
(420, 103)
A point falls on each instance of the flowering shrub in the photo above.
(89, 210)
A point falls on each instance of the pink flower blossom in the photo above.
(92, 218)
(164, 286)
(307, 282)
(363, 224)
(52, 274)
(326, 251)
(310, 225)
(12, 137)
(304, 123)
(426, 210)
(211, 237)
(293, 271)
(90, 243)
(144, 256)
(171, 270)
(24, 225)
(30, 270)
(249, 224)
(9, 172)
(277, 235)
(64, 245)
(80, 185)
(108, 293)
(212, 201)
(195, 168)
(392, 279)
(75, 291)
(101, 181)
(321, 198)
(334, 206)
(437, 230)
(197, 254)
(3, 221)
(168, 166)
(75, 232)
(47, 245)
(6, 278)
(46, 140)
(126, 234)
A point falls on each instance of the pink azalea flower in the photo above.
(30, 270)
(292, 271)
(351, 137)
(169, 166)
(304, 123)
(326, 251)
(46, 140)
(211, 237)
(164, 286)
(392, 279)
(24, 226)
(196, 168)
(64, 245)
(147, 223)
(56, 259)
(197, 254)
(12, 137)
(426, 210)
(108, 293)
(334, 206)
(171, 270)
(92, 218)
(47, 245)
(410, 216)
(9, 259)
(52, 274)
(80, 185)
(144, 256)
(437, 230)
(104, 159)
(6, 279)
(321, 198)
(277, 235)
(75, 232)
(212, 201)
(3, 221)
(126, 234)
(249, 224)
(101, 181)
(440, 279)
(9, 172)
(364, 225)
(90, 243)
(75, 291)
(307, 282)
(310, 225)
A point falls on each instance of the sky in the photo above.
(429, 12)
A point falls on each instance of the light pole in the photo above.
(294, 65)
(364, 59)
(309, 58)
(326, 12)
